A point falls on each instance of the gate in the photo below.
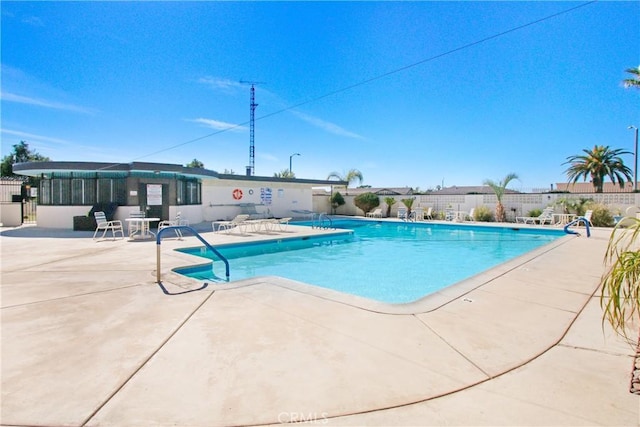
(29, 205)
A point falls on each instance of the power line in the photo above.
(381, 76)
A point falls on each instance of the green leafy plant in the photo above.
(389, 201)
(597, 164)
(534, 212)
(409, 204)
(349, 177)
(601, 216)
(483, 214)
(367, 201)
(620, 297)
(499, 189)
(336, 201)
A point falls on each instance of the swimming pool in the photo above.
(392, 262)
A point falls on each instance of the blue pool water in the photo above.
(386, 261)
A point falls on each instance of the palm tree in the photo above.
(499, 188)
(349, 177)
(633, 81)
(599, 163)
(284, 173)
(389, 201)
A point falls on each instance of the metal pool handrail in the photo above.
(196, 234)
(574, 222)
(322, 217)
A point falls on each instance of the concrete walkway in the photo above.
(89, 338)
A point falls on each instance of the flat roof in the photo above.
(37, 169)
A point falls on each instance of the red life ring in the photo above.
(237, 194)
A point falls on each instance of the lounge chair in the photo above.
(239, 221)
(546, 217)
(471, 216)
(402, 213)
(376, 213)
(587, 217)
(176, 221)
(418, 214)
(429, 213)
(104, 225)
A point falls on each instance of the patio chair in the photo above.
(545, 217)
(429, 213)
(587, 217)
(418, 214)
(471, 216)
(104, 225)
(176, 221)
(402, 213)
(135, 226)
(376, 213)
(239, 221)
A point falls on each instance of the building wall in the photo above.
(270, 199)
(519, 204)
(10, 214)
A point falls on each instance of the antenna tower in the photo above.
(252, 126)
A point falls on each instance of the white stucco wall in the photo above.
(59, 216)
(11, 214)
(271, 199)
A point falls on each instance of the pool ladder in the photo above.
(321, 220)
(178, 229)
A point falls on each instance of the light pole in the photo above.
(635, 160)
(291, 157)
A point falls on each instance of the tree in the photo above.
(599, 163)
(389, 201)
(336, 201)
(195, 163)
(499, 189)
(21, 154)
(633, 81)
(285, 173)
(409, 204)
(367, 201)
(351, 176)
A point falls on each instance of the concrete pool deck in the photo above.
(89, 338)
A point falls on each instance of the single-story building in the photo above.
(69, 189)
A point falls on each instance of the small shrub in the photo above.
(336, 201)
(534, 212)
(483, 214)
(601, 216)
(367, 201)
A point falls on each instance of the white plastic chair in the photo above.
(104, 225)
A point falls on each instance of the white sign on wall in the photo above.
(154, 194)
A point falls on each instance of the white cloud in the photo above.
(11, 97)
(217, 83)
(33, 136)
(326, 126)
(218, 125)
(33, 20)
(267, 156)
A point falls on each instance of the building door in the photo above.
(154, 200)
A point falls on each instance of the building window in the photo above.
(188, 192)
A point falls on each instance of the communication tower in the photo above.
(252, 124)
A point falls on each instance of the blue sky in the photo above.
(413, 94)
